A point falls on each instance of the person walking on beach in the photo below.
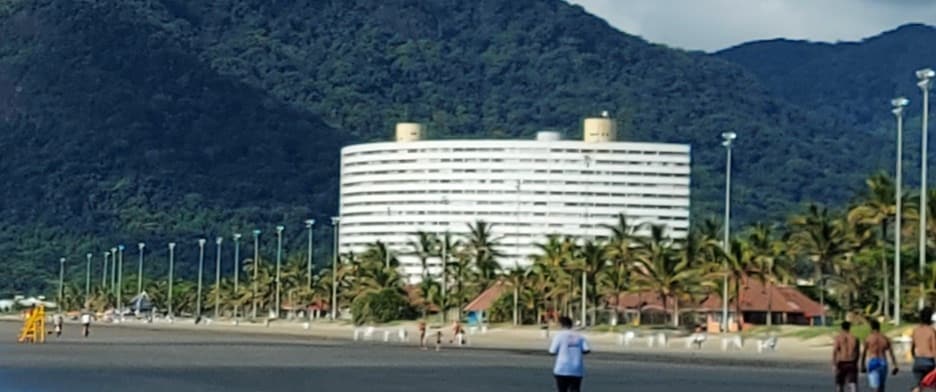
(85, 324)
(569, 347)
(845, 360)
(422, 334)
(923, 346)
(58, 321)
(879, 346)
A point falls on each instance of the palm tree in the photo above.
(424, 247)
(549, 265)
(619, 251)
(484, 252)
(516, 279)
(877, 207)
(770, 261)
(663, 270)
(741, 264)
(446, 245)
(824, 238)
(594, 262)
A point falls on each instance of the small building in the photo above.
(477, 310)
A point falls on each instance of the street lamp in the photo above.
(120, 249)
(279, 256)
(87, 283)
(140, 269)
(171, 269)
(104, 274)
(256, 265)
(218, 242)
(310, 224)
(925, 76)
(61, 290)
(237, 238)
(113, 275)
(588, 162)
(898, 109)
(201, 268)
(727, 141)
(336, 222)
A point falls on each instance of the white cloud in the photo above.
(717, 24)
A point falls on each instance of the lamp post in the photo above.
(336, 222)
(277, 305)
(588, 161)
(310, 224)
(120, 249)
(898, 109)
(727, 141)
(256, 265)
(237, 238)
(87, 282)
(104, 273)
(925, 76)
(201, 268)
(171, 269)
(217, 304)
(113, 275)
(61, 290)
(140, 269)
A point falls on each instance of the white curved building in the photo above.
(527, 189)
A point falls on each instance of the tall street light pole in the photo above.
(113, 275)
(237, 238)
(256, 266)
(898, 109)
(925, 76)
(336, 222)
(310, 224)
(87, 283)
(171, 278)
(61, 289)
(727, 141)
(140, 269)
(120, 249)
(104, 274)
(588, 161)
(201, 268)
(217, 301)
(277, 305)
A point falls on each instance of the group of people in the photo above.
(458, 336)
(848, 357)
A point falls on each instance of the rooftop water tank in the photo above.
(409, 132)
(600, 129)
(548, 136)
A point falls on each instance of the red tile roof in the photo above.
(755, 297)
(486, 299)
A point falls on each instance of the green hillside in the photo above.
(169, 119)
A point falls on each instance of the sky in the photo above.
(711, 25)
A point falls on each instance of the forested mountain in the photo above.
(127, 120)
(851, 82)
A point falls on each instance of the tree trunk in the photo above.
(675, 312)
(516, 314)
(739, 318)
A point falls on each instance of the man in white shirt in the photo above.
(569, 347)
(85, 323)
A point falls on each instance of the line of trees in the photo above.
(846, 255)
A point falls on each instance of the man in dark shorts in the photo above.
(923, 345)
(845, 360)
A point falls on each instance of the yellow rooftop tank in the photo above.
(409, 132)
(600, 129)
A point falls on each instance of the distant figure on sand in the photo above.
(923, 346)
(569, 347)
(422, 334)
(879, 347)
(58, 321)
(845, 360)
(85, 324)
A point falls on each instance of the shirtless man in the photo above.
(422, 334)
(845, 360)
(923, 345)
(880, 347)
